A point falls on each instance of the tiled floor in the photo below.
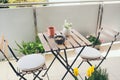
(112, 64)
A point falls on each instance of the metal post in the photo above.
(100, 16)
(35, 21)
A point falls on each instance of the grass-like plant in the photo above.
(99, 74)
(30, 47)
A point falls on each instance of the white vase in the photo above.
(66, 31)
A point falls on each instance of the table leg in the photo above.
(60, 56)
(68, 70)
(52, 63)
(73, 62)
(80, 64)
(49, 67)
(66, 58)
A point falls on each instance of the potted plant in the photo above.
(94, 41)
(96, 74)
(51, 31)
(67, 28)
(30, 47)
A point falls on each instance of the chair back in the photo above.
(4, 47)
(112, 35)
(109, 33)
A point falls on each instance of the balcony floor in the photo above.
(112, 64)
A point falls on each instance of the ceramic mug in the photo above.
(51, 31)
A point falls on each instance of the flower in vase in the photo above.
(67, 28)
(67, 25)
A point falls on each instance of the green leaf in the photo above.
(99, 74)
(30, 47)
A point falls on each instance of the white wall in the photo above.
(17, 25)
(83, 17)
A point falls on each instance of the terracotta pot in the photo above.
(51, 31)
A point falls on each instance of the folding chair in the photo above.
(33, 63)
(92, 54)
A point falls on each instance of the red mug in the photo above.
(51, 31)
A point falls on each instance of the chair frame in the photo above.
(103, 58)
(19, 73)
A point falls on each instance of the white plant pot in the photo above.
(66, 32)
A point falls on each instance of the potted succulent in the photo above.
(30, 47)
(67, 28)
(94, 41)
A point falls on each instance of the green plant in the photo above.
(30, 47)
(67, 25)
(94, 40)
(3, 1)
(99, 74)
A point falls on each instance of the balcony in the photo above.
(23, 23)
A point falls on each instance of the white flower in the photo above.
(67, 24)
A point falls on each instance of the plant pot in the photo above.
(66, 31)
(59, 39)
(51, 31)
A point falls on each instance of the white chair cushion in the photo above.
(89, 53)
(31, 62)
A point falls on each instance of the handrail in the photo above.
(45, 3)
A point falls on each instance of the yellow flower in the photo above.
(76, 71)
(90, 71)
